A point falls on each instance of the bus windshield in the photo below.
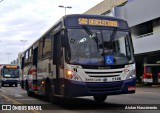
(11, 73)
(99, 47)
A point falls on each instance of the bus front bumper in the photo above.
(9, 82)
(75, 88)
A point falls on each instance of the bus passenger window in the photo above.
(47, 46)
(40, 47)
(26, 57)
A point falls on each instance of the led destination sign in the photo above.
(97, 22)
(11, 66)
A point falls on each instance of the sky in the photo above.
(29, 19)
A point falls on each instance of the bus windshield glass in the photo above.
(99, 47)
(11, 73)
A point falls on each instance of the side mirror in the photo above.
(63, 38)
(57, 48)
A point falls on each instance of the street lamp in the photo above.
(23, 41)
(65, 7)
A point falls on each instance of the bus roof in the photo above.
(74, 16)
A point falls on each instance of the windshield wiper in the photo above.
(113, 35)
(93, 35)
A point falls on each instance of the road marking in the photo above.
(15, 102)
(155, 85)
(25, 99)
(16, 95)
(2, 90)
(147, 92)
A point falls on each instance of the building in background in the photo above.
(144, 20)
(17, 61)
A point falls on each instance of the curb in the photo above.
(155, 85)
(138, 85)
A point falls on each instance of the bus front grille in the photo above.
(103, 74)
(104, 87)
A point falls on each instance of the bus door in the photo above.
(35, 62)
(155, 74)
(57, 55)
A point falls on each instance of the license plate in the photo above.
(6, 84)
(131, 88)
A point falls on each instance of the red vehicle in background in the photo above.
(151, 73)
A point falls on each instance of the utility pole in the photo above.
(65, 7)
(23, 41)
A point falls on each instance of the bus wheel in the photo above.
(2, 85)
(100, 98)
(29, 93)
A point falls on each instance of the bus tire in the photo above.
(2, 85)
(100, 98)
(29, 93)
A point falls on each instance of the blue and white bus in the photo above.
(9, 75)
(81, 55)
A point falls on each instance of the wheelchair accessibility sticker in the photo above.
(109, 59)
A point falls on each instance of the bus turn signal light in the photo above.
(69, 74)
(131, 88)
(43, 82)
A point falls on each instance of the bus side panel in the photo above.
(45, 71)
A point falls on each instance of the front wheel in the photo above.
(100, 98)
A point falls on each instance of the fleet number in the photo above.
(116, 78)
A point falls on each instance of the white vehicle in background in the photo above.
(9, 75)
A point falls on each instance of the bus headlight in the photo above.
(72, 75)
(131, 74)
(69, 74)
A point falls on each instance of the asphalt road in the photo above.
(133, 103)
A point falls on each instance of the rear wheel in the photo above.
(2, 85)
(29, 93)
(100, 98)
